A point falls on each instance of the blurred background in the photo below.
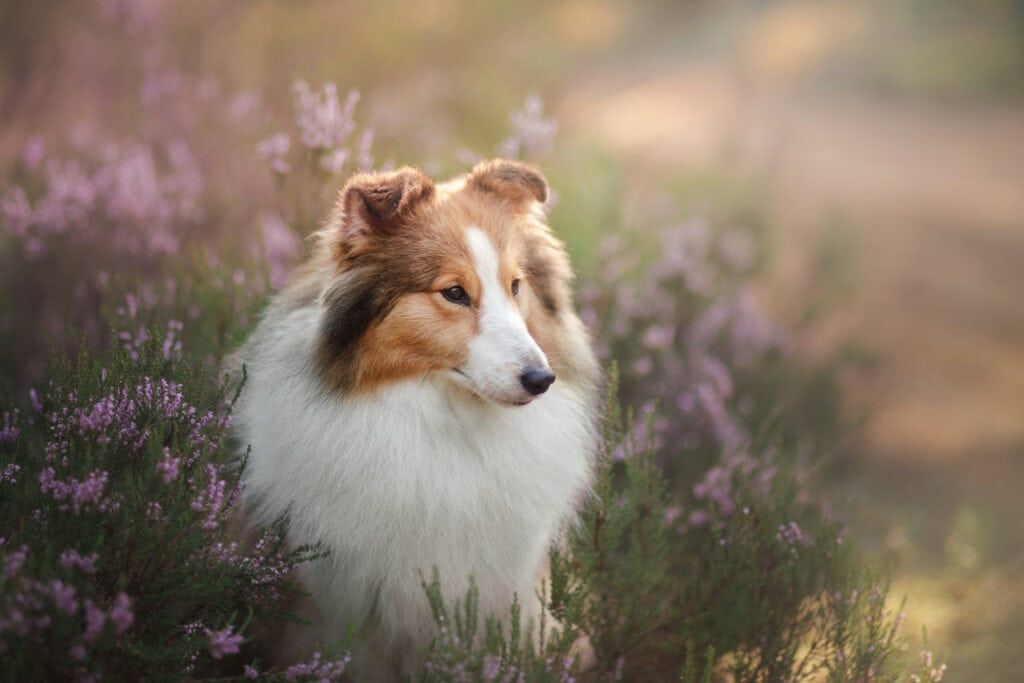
(876, 149)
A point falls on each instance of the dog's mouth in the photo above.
(469, 384)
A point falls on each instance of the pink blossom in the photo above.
(168, 467)
(531, 136)
(317, 668)
(223, 642)
(87, 563)
(8, 429)
(324, 123)
(274, 150)
(95, 620)
(63, 596)
(211, 498)
(121, 615)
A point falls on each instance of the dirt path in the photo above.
(932, 198)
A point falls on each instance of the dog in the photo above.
(421, 396)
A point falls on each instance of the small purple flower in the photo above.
(10, 473)
(324, 123)
(80, 495)
(8, 429)
(532, 136)
(87, 564)
(14, 560)
(168, 467)
(33, 396)
(121, 615)
(699, 518)
(33, 151)
(95, 620)
(491, 667)
(223, 642)
(211, 498)
(672, 513)
(274, 150)
(317, 668)
(63, 596)
(791, 534)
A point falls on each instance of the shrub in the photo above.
(637, 594)
(120, 552)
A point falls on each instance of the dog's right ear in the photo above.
(372, 206)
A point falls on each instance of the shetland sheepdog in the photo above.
(421, 396)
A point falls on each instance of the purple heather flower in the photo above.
(63, 596)
(15, 212)
(168, 467)
(532, 136)
(274, 150)
(71, 559)
(121, 615)
(10, 472)
(78, 494)
(33, 151)
(491, 667)
(364, 155)
(95, 620)
(699, 518)
(33, 396)
(211, 499)
(672, 513)
(659, 336)
(223, 642)
(8, 429)
(792, 534)
(317, 668)
(324, 123)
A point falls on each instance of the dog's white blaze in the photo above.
(503, 348)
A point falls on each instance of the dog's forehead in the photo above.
(457, 210)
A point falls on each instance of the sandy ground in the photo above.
(931, 198)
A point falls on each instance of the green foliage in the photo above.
(634, 595)
(118, 506)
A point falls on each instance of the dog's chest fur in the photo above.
(414, 477)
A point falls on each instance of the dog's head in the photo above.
(462, 279)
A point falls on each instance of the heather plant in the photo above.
(771, 593)
(121, 550)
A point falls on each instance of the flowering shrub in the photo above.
(120, 555)
(754, 596)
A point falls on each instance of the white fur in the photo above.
(420, 474)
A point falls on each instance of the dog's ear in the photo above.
(513, 181)
(372, 206)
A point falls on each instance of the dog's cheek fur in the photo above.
(421, 333)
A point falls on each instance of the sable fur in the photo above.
(383, 415)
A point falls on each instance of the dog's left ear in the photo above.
(514, 181)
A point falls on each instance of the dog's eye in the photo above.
(456, 294)
(515, 288)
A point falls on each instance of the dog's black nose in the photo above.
(537, 380)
